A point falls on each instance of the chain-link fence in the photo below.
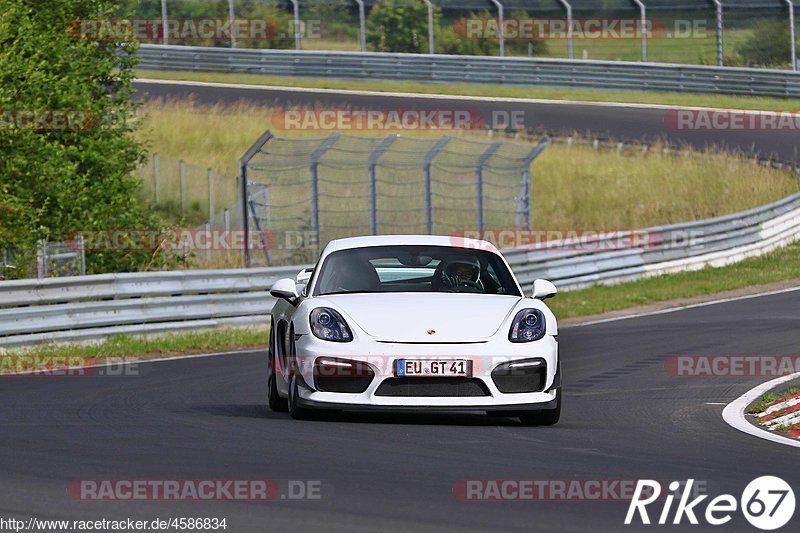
(188, 194)
(305, 191)
(49, 260)
(730, 32)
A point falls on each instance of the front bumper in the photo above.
(381, 356)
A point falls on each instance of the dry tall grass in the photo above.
(573, 186)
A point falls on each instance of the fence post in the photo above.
(525, 203)
(489, 152)
(41, 259)
(210, 196)
(82, 245)
(182, 172)
(792, 34)
(314, 171)
(243, 163)
(570, 35)
(164, 39)
(643, 26)
(499, 7)
(373, 182)
(362, 25)
(428, 162)
(231, 16)
(431, 46)
(155, 178)
(296, 9)
(720, 58)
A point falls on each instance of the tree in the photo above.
(67, 146)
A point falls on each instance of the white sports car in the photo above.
(420, 323)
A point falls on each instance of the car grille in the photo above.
(432, 387)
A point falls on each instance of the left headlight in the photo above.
(328, 325)
(528, 326)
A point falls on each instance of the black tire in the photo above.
(276, 403)
(295, 411)
(542, 417)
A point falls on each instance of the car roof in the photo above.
(409, 240)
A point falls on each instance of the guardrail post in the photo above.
(164, 38)
(720, 58)
(314, 169)
(570, 35)
(231, 17)
(792, 34)
(489, 152)
(427, 163)
(499, 7)
(525, 203)
(362, 25)
(155, 178)
(643, 27)
(210, 196)
(182, 172)
(431, 48)
(296, 9)
(373, 181)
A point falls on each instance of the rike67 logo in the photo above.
(767, 503)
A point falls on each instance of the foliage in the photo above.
(769, 45)
(58, 178)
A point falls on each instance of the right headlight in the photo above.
(328, 325)
(528, 326)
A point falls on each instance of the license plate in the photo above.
(433, 368)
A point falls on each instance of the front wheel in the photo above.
(276, 403)
(542, 417)
(295, 411)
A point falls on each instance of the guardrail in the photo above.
(520, 71)
(95, 307)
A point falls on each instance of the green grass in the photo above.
(782, 264)
(761, 405)
(126, 346)
(496, 91)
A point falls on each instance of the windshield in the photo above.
(414, 269)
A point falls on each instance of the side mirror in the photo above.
(285, 288)
(543, 289)
(304, 275)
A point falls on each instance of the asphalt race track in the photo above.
(625, 418)
(606, 121)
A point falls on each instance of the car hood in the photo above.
(408, 317)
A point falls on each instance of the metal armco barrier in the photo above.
(518, 71)
(95, 307)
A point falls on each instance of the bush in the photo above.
(770, 45)
(393, 27)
